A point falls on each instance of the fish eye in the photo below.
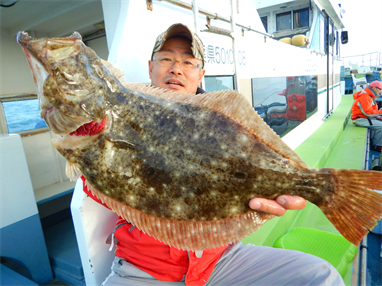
(80, 58)
(55, 69)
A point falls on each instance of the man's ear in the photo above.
(201, 74)
(151, 66)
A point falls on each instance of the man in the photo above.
(365, 113)
(177, 64)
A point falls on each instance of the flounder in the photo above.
(181, 167)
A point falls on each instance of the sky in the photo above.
(363, 21)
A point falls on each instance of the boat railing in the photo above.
(373, 59)
(213, 16)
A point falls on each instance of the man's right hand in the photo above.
(279, 206)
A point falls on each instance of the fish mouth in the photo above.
(83, 135)
(89, 129)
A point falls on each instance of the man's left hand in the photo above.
(279, 206)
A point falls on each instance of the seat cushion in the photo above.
(331, 247)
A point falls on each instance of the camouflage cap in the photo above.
(182, 31)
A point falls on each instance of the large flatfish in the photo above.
(181, 167)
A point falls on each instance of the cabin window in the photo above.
(264, 20)
(215, 83)
(332, 39)
(284, 102)
(315, 45)
(301, 18)
(319, 35)
(283, 21)
(22, 115)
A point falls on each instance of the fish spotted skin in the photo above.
(172, 166)
(183, 167)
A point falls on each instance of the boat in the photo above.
(283, 56)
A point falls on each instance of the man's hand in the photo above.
(279, 206)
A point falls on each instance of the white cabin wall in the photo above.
(111, 13)
(17, 198)
(15, 73)
(100, 47)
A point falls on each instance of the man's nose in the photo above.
(176, 68)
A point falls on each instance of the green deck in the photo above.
(336, 144)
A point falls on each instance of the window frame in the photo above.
(300, 10)
(206, 77)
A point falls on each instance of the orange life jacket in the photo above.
(365, 99)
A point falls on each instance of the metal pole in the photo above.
(195, 12)
(363, 261)
(233, 25)
(327, 60)
(363, 244)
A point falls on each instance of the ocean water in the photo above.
(22, 115)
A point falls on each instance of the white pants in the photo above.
(245, 265)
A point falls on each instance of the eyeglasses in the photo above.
(167, 61)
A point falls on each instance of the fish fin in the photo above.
(114, 71)
(72, 171)
(94, 191)
(236, 107)
(189, 235)
(354, 207)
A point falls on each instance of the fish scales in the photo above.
(182, 168)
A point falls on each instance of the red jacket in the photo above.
(365, 100)
(163, 262)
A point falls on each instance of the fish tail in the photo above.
(355, 207)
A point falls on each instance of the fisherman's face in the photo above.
(377, 90)
(176, 77)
